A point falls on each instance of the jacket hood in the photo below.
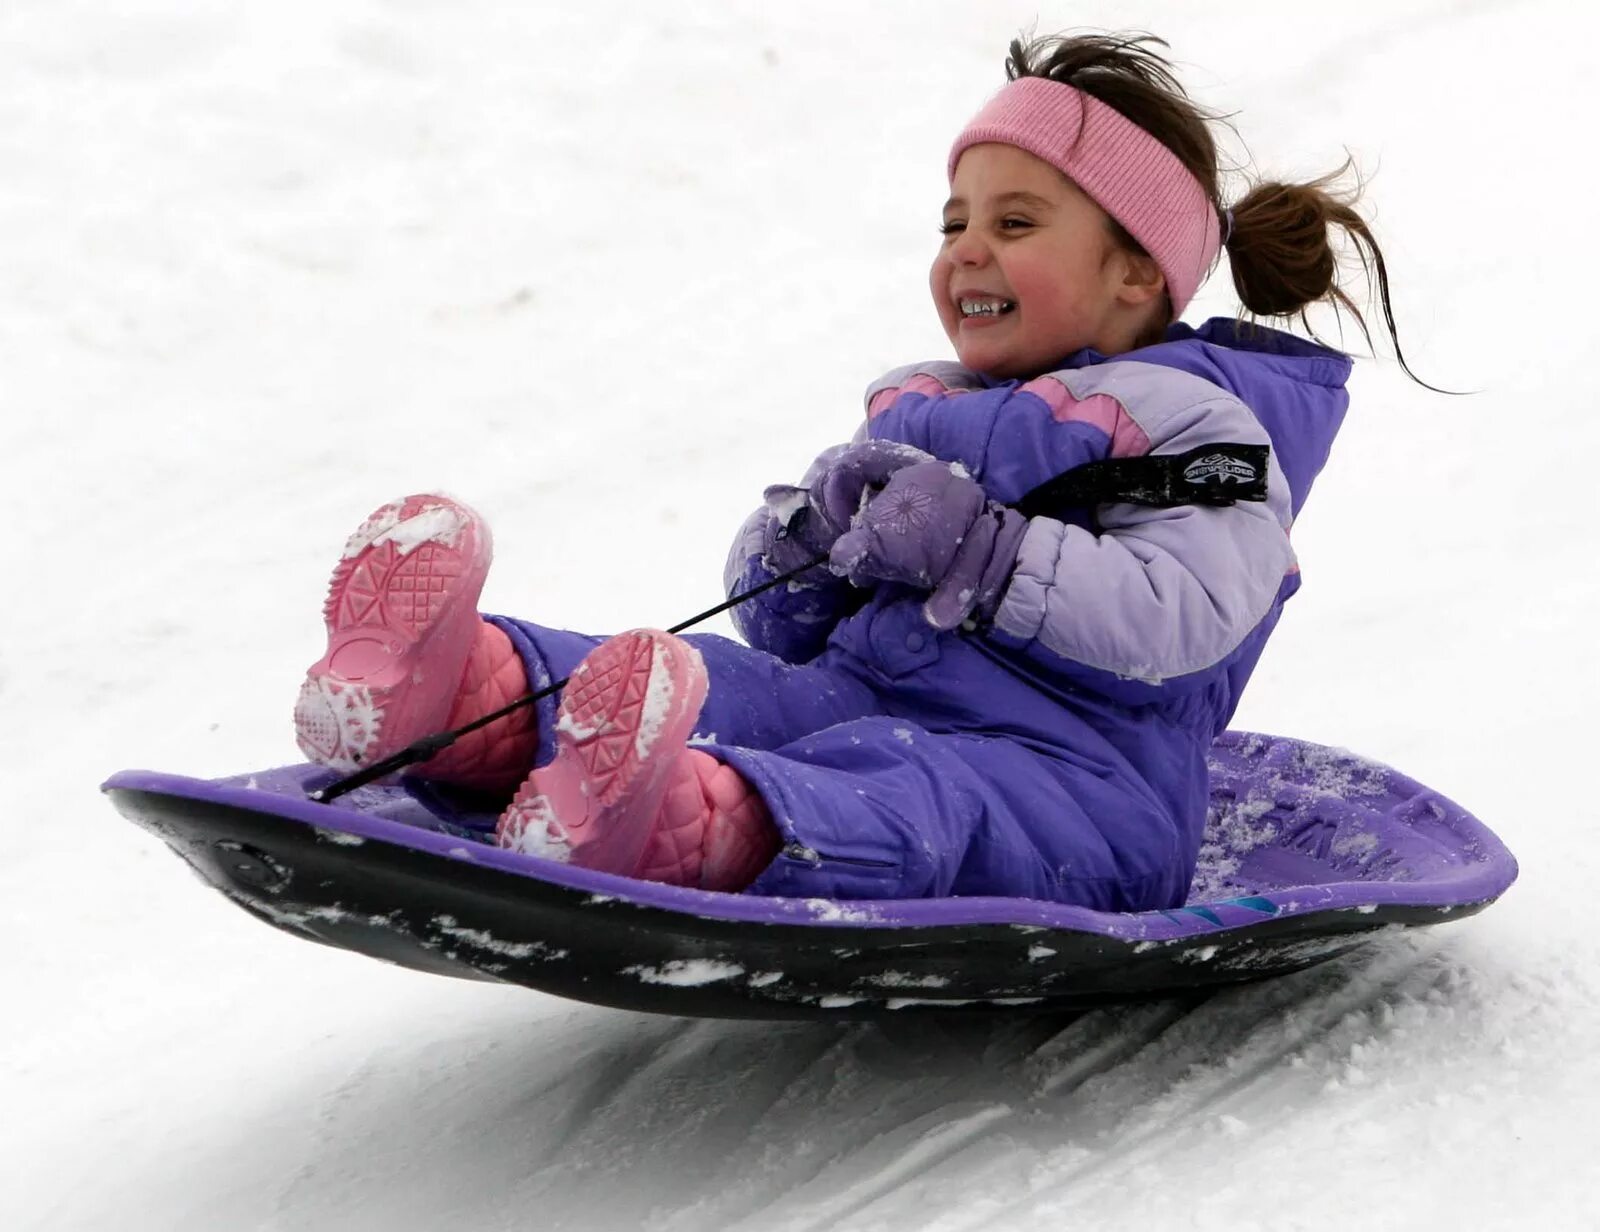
(1295, 387)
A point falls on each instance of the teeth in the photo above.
(985, 307)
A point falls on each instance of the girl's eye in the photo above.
(955, 226)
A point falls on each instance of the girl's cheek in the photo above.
(938, 280)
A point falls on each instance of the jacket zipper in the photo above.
(813, 857)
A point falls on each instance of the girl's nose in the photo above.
(969, 248)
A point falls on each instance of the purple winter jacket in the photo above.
(1126, 629)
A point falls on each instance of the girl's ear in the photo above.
(1142, 281)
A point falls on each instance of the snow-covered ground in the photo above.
(605, 270)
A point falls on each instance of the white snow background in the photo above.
(605, 271)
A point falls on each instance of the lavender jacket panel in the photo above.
(1140, 605)
(1137, 603)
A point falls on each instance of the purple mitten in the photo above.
(806, 520)
(933, 526)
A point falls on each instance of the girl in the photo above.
(965, 700)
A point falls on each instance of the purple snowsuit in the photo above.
(1059, 753)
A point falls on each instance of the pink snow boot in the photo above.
(403, 626)
(624, 794)
(497, 757)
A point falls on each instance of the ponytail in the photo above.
(1278, 237)
(1283, 260)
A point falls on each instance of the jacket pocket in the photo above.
(901, 641)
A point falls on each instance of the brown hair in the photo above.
(1278, 248)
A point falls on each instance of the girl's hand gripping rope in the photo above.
(806, 520)
(932, 526)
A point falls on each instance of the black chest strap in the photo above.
(1217, 474)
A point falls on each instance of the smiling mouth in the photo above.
(985, 307)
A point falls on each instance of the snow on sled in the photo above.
(1309, 852)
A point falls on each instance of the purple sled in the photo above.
(1309, 851)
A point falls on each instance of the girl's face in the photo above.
(1029, 272)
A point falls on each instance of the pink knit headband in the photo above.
(1123, 169)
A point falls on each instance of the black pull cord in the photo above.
(1216, 474)
(429, 746)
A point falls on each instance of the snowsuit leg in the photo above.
(871, 805)
(756, 700)
(882, 808)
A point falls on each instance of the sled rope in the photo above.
(429, 746)
(1215, 474)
